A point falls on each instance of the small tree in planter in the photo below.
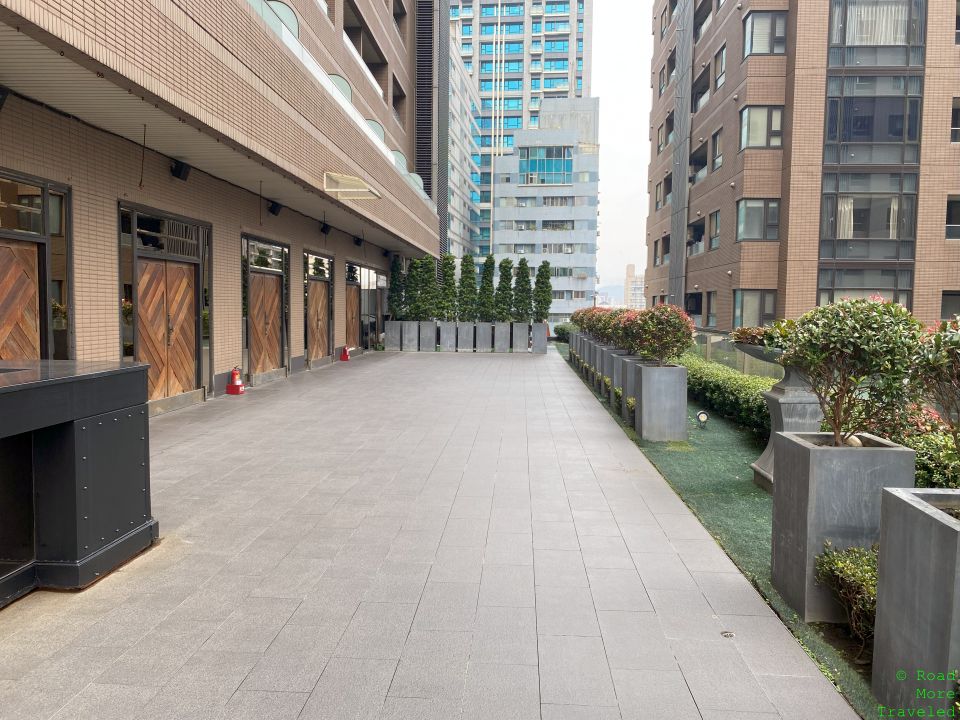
(486, 309)
(542, 293)
(467, 291)
(939, 375)
(503, 300)
(857, 356)
(447, 291)
(396, 304)
(665, 333)
(522, 293)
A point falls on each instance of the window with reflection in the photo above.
(874, 33)
(890, 283)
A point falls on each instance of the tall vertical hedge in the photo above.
(542, 293)
(422, 289)
(486, 309)
(522, 293)
(396, 304)
(467, 290)
(503, 300)
(447, 292)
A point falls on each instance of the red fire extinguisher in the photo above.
(235, 386)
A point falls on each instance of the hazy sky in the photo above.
(621, 79)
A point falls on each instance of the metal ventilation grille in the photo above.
(423, 131)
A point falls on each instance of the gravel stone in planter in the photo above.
(827, 493)
(918, 598)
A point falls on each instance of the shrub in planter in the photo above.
(562, 331)
(937, 463)
(661, 334)
(762, 336)
(852, 576)
(617, 398)
(857, 356)
(631, 407)
(607, 385)
(939, 372)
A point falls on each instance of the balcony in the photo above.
(536, 10)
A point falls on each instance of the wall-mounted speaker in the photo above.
(358, 241)
(325, 229)
(180, 170)
(274, 207)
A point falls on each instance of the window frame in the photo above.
(767, 225)
(774, 37)
(770, 135)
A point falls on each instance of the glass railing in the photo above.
(700, 175)
(319, 74)
(363, 65)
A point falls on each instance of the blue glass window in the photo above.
(486, 48)
(556, 65)
(551, 165)
(555, 83)
(557, 26)
(558, 7)
(466, 30)
(557, 46)
(454, 11)
(534, 84)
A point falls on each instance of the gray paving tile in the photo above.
(433, 666)
(447, 606)
(703, 556)
(350, 689)
(505, 636)
(803, 697)
(457, 565)
(505, 692)
(663, 572)
(377, 631)
(731, 594)
(685, 614)
(559, 568)
(682, 526)
(509, 549)
(578, 712)
(635, 641)
(768, 647)
(253, 626)
(555, 536)
(718, 677)
(618, 590)
(507, 586)
(646, 539)
(573, 671)
(401, 708)
(294, 660)
(104, 702)
(465, 532)
(257, 705)
(654, 694)
(566, 611)
(600, 551)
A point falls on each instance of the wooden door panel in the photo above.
(152, 324)
(19, 301)
(317, 319)
(182, 339)
(353, 316)
(264, 322)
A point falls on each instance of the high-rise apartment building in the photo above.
(804, 152)
(202, 186)
(520, 52)
(463, 193)
(545, 200)
(634, 292)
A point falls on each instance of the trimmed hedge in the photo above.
(729, 393)
(852, 575)
(937, 462)
(562, 331)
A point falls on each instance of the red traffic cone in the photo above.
(235, 386)
(345, 354)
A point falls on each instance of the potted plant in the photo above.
(659, 336)
(857, 356)
(792, 405)
(396, 306)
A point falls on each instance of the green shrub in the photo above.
(729, 393)
(665, 332)
(939, 369)
(562, 331)
(937, 463)
(852, 575)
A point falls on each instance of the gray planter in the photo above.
(392, 333)
(603, 355)
(792, 406)
(448, 336)
(918, 597)
(661, 414)
(631, 383)
(521, 337)
(428, 336)
(484, 336)
(411, 335)
(827, 493)
(539, 333)
(465, 337)
(501, 337)
(619, 374)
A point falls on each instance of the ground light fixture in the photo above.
(702, 418)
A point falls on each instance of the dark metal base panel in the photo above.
(47, 575)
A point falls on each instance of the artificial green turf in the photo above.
(712, 474)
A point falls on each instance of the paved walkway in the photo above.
(411, 536)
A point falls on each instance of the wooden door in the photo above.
(182, 328)
(152, 324)
(19, 301)
(318, 319)
(264, 322)
(353, 316)
(167, 326)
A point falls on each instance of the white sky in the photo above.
(622, 46)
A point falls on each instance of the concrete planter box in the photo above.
(392, 333)
(631, 382)
(448, 336)
(661, 414)
(501, 337)
(521, 337)
(484, 337)
(465, 332)
(827, 493)
(618, 373)
(539, 333)
(918, 597)
(792, 406)
(411, 336)
(428, 336)
(602, 355)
